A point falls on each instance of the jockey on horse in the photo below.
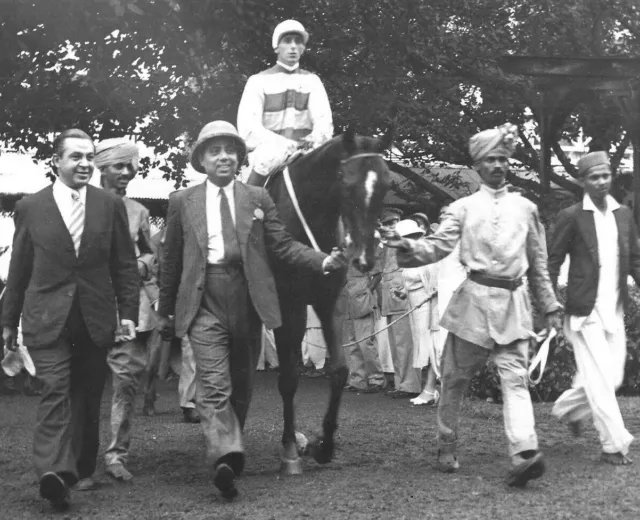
(283, 109)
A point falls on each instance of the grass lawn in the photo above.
(384, 467)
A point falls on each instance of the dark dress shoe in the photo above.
(191, 415)
(528, 469)
(225, 481)
(55, 490)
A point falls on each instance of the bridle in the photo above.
(294, 199)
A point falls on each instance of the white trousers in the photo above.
(268, 352)
(600, 358)
(314, 348)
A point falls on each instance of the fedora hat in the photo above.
(211, 131)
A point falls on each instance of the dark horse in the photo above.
(340, 188)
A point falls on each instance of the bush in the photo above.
(561, 366)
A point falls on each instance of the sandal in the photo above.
(616, 459)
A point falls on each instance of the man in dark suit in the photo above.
(216, 280)
(72, 263)
(601, 240)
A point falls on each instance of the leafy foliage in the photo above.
(160, 69)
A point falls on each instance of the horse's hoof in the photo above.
(322, 451)
(291, 467)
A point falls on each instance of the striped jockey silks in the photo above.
(278, 102)
(76, 221)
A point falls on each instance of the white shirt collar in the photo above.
(500, 192)
(290, 68)
(62, 190)
(588, 205)
(215, 190)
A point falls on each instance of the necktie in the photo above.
(76, 221)
(231, 248)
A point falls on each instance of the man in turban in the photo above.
(283, 108)
(501, 241)
(601, 240)
(117, 160)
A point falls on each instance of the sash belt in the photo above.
(510, 284)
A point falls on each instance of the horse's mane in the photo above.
(333, 150)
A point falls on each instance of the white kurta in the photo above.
(599, 345)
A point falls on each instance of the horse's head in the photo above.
(364, 183)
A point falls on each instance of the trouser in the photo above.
(600, 359)
(187, 381)
(127, 362)
(406, 377)
(364, 361)
(225, 338)
(460, 361)
(73, 370)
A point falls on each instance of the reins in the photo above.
(296, 206)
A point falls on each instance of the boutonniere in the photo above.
(258, 214)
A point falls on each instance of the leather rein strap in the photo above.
(296, 206)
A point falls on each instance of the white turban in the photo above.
(114, 151)
(501, 140)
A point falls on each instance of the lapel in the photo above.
(587, 226)
(244, 208)
(196, 211)
(52, 216)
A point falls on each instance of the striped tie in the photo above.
(76, 221)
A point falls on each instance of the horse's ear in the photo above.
(349, 140)
(386, 140)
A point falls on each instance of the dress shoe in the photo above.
(191, 415)
(225, 481)
(426, 398)
(118, 472)
(85, 484)
(525, 470)
(55, 490)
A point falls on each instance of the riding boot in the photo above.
(255, 179)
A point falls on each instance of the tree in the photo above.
(160, 69)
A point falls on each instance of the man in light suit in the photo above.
(72, 264)
(118, 159)
(216, 280)
(601, 240)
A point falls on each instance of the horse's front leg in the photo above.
(288, 339)
(333, 321)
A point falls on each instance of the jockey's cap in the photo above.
(211, 131)
(288, 26)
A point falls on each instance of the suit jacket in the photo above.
(45, 274)
(575, 235)
(261, 236)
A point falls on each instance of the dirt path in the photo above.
(384, 467)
